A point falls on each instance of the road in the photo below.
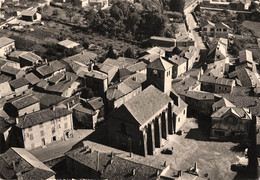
(193, 25)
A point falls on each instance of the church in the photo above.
(141, 124)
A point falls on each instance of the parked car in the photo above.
(167, 151)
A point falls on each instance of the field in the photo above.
(254, 26)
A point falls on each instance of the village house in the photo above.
(246, 60)
(7, 45)
(111, 71)
(199, 102)
(14, 73)
(84, 60)
(96, 80)
(224, 85)
(117, 94)
(55, 101)
(139, 67)
(19, 86)
(18, 163)
(179, 65)
(29, 15)
(231, 123)
(43, 127)
(208, 83)
(215, 29)
(68, 44)
(162, 41)
(5, 89)
(246, 77)
(10, 63)
(29, 59)
(57, 66)
(32, 78)
(151, 54)
(222, 102)
(186, 83)
(22, 105)
(140, 124)
(14, 55)
(218, 52)
(88, 113)
(97, 4)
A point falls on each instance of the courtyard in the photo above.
(214, 159)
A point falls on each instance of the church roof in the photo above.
(160, 64)
(143, 106)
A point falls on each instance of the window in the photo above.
(54, 138)
(219, 87)
(41, 125)
(42, 133)
(31, 136)
(30, 128)
(184, 111)
(224, 30)
(179, 119)
(204, 29)
(123, 128)
(225, 88)
(66, 125)
(212, 29)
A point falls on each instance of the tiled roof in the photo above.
(143, 106)
(64, 83)
(5, 41)
(121, 62)
(137, 67)
(5, 89)
(225, 81)
(84, 57)
(68, 43)
(24, 101)
(25, 163)
(55, 79)
(187, 83)
(32, 78)
(159, 64)
(89, 158)
(4, 78)
(50, 99)
(27, 13)
(105, 68)
(121, 168)
(57, 65)
(245, 56)
(42, 116)
(17, 83)
(95, 103)
(208, 79)
(240, 112)
(32, 57)
(45, 70)
(177, 60)
(94, 74)
(10, 70)
(118, 90)
(83, 109)
(199, 95)
(223, 103)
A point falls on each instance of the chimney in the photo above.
(165, 163)
(53, 107)
(133, 172)
(134, 78)
(46, 61)
(158, 173)
(17, 120)
(14, 165)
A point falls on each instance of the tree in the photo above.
(110, 53)
(55, 12)
(130, 53)
(90, 16)
(69, 14)
(116, 12)
(177, 5)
